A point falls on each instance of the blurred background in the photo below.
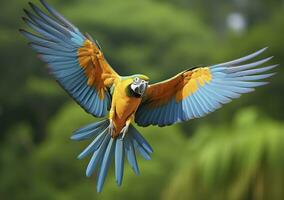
(235, 153)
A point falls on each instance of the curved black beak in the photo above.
(141, 88)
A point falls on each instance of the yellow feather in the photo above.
(97, 70)
(192, 81)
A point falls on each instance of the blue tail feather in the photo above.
(94, 145)
(105, 164)
(104, 148)
(141, 150)
(119, 160)
(130, 152)
(90, 130)
(140, 139)
(97, 156)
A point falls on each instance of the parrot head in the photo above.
(139, 85)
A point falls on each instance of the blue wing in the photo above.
(67, 52)
(197, 92)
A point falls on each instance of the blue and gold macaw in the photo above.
(78, 64)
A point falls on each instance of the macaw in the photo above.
(78, 64)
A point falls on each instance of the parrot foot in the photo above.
(111, 127)
(124, 130)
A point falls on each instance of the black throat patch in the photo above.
(131, 93)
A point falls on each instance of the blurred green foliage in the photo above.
(245, 163)
(235, 153)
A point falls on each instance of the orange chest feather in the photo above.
(124, 105)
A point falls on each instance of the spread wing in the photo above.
(196, 92)
(74, 59)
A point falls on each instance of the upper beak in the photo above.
(141, 88)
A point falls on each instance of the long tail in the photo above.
(103, 147)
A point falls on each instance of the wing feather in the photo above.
(195, 93)
(75, 61)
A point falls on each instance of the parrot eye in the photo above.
(136, 79)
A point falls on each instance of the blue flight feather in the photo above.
(91, 130)
(247, 66)
(105, 164)
(252, 71)
(98, 155)
(130, 152)
(237, 61)
(57, 42)
(50, 21)
(94, 145)
(201, 102)
(140, 139)
(141, 149)
(119, 160)
(57, 15)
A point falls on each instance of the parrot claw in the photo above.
(111, 127)
(124, 130)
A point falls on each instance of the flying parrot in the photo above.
(78, 64)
